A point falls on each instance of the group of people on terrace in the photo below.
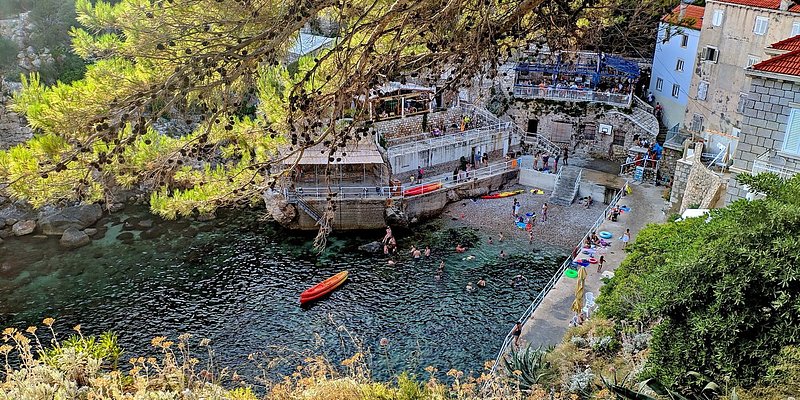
(544, 158)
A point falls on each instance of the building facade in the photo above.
(770, 138)
(674, 60)
(734, 36)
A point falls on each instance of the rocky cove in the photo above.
(235, 279)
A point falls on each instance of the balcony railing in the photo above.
(676, 137)
(536, 92)
(772, 162)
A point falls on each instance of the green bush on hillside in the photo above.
(724, 295)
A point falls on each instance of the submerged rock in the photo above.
(74, 238)
(125, 236)
(25, 227)
(56, 222)
(372, 247)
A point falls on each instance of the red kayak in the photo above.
(426, 188)
(323, 288)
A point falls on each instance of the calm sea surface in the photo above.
(236, 280)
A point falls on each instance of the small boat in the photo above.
(426, 188)
(502, 194)
(323, 288)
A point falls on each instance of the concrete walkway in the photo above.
(549, 322)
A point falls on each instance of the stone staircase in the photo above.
(642, 115)
(566, 187)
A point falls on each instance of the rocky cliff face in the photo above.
(13, 127)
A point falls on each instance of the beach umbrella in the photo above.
(577, 305)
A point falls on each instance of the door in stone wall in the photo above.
(562, 132)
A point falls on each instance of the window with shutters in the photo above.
(791, 142)
(710, 53)
(742, 102)
(752, 60)
(684, 40)
(716, 19)
(760, 27)
(679, 65)
(697, 123)
(676, 90)
(702, 90)
(659, 84)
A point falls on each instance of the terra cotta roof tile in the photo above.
(692, 18)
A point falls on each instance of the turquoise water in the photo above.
(236, 280)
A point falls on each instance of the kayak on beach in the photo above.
(502, 194)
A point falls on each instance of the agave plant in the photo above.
(709, 391)
(528, 367)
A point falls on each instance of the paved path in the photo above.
(550, 320)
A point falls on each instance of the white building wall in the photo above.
(665, 60)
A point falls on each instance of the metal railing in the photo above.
(771, 162)
(449, 139)
(648, 164)
(508, 340)
(536, 92)
(675, 138)
(642, 104)
(383, 192)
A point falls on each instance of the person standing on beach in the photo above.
(626, 237)
(530, 237)
(566, 156)
(515, 208)
(600, 263)
(500, 238)
(544, 212)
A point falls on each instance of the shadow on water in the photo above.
(237, 281)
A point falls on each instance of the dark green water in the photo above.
(236, 281)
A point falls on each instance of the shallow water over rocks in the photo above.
(236, 280)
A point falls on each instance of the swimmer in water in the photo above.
(460, 248)
(415, 252)
(490, 240)
(390, 262)
(470, 287)
(481, 282)
(502, 254)
(469, 258)
(427, 252)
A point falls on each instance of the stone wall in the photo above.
(766, 114)
(703, 187)
(13, 127)
(681, 176)
(576, 115)
(398, 128)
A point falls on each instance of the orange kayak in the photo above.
(426, 188)
(321, 289)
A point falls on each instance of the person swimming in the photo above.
(481, 282)
(502, 254)
(470, 287)
(427, 251)
(460, 248)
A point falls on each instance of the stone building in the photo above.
(676, 50)
(770, 138)
(734, 36)
(580, 100)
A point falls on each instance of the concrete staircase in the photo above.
(295, 198)
(566, 187)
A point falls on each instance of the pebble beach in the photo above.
(564, 227)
